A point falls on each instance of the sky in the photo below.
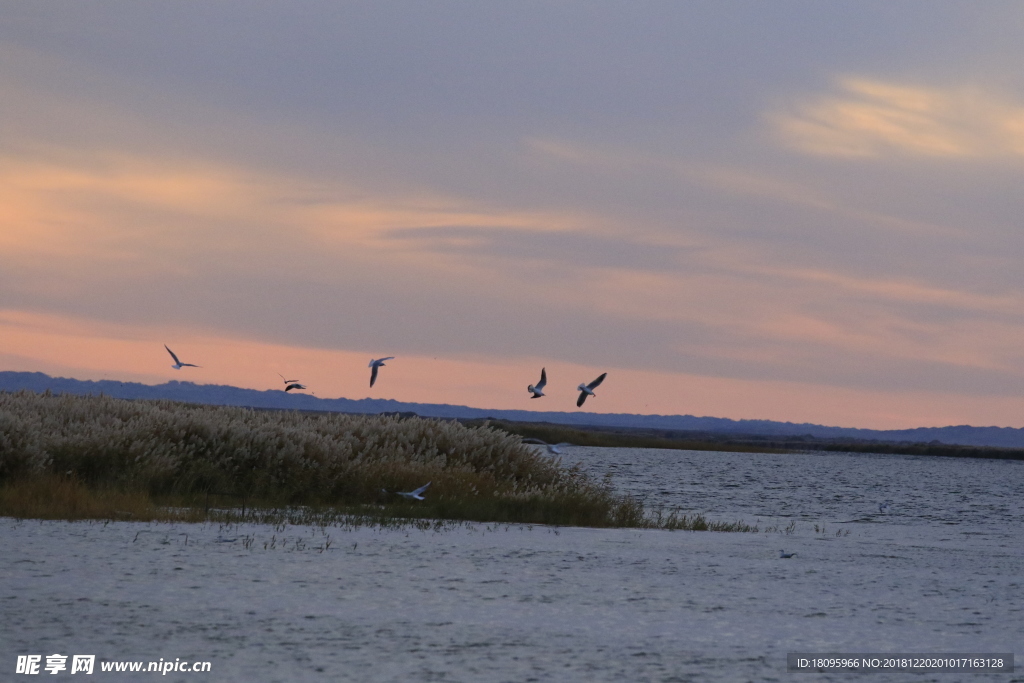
(794, 210)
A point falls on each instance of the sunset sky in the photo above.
(805, 211)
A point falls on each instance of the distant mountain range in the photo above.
(216, 394)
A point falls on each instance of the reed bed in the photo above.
(74, 457)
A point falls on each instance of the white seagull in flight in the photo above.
(783, 555)
(538, 389)
(414, 495)
(374, 364)
(178, 365)
(588, 389)
(553, 448)
(290, 384)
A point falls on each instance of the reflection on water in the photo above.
(924, 490)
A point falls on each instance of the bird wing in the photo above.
(373, 375)
(543, 378)
(421, 489)
(581, 399)
(172, 355)
(593, 385)
(188, 365)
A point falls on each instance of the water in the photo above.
(925, 491)
(940, 573)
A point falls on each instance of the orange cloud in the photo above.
(871, 118)
(119, 208)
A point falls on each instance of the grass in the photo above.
(74, 457)
(621, 437)
(674, 521)
(52, 497)
(646, 437)
(66, 498)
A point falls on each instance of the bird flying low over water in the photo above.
(414, 495)
(538, 389)
(553, 448)
(783, 555)
(178, 365)
(374, 365)
(883, 508)
(588, 389)
(290, 384)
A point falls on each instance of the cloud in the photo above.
(907, 291)
(292, 202)
(86, 209)
(734, 180)
(61, 205)
(869, 118)
(577, 248)
(289, 259)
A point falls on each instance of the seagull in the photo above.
(554, 449)
(883, 508)
(538, 389)
(178, 365)
(414, 495)
(290, 384)
(588, 389)
(783, 555)
(376, 364)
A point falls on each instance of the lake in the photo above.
(942, 571)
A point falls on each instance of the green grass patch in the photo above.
(616, 437)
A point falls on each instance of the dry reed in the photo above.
(66, 456)
(164, 448)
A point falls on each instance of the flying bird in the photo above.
(588, 389)
(178, 365)
(883, 508)
(783, 555)
(414, 495)
(553, 448)
(375, 364)
(538, 389)
(290, 384)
